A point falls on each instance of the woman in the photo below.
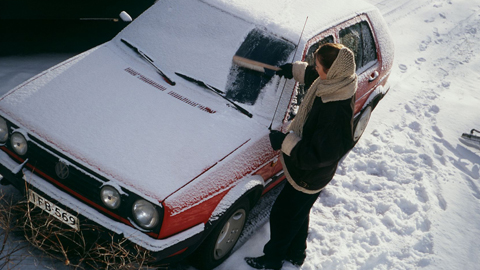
(319, 136)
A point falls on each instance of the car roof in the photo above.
(287, 18)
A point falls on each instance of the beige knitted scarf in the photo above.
(340, 84)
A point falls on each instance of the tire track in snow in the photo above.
(396, 10)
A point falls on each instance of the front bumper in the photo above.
(21, 177)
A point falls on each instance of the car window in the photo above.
(309, 57)
(244, 85)
(369, 47)
(359, 39)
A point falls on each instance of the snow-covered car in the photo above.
(161, 134)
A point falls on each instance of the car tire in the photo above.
(219, 244)
(361, 123)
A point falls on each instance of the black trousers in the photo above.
(289, 220)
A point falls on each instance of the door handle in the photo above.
(373, 77)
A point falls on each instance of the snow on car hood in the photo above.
(120, 119)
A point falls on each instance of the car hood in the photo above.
(120, 119)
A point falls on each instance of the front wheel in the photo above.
(219, 244)
(362, 123)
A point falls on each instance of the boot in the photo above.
(296, 259)
(264, 262)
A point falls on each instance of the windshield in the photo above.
(244, 85)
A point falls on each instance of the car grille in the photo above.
(82, 181)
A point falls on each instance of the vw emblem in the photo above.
(62, 171)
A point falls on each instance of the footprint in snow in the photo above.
(430, 20)
(424, 263)
(475, 172)
(403, 68)
(408, 207)
(437, 149)
(437, 131)
(408, 109)
(442, 74)
(420, 60)
(425, 245)
(424, 224)
(421, 193)
(471, 30)
(415, 126)
(442, 202)
(434, 109)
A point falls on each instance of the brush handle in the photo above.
(252, 64)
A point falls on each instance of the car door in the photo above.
(357, 35)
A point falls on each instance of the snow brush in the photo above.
(253, 65)
(471, 139)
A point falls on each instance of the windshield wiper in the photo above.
(149, 60)
(216, 91)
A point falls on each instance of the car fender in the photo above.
(245, 186)
(375, 97)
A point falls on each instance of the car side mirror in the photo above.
(125, 16)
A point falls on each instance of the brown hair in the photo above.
(327, 53)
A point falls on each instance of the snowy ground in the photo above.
(408, 195)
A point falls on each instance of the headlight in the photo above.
(3, 130)
(19, 143)
(145, 214)
(110, 197)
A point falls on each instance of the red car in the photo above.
(161, 134)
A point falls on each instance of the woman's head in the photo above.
(325, 56)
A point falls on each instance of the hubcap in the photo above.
(362, 123)
(229, 234)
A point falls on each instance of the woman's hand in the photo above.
(276, 139)
(286, 71)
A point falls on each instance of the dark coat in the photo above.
(327, 136)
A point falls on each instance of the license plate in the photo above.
(53, 210)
